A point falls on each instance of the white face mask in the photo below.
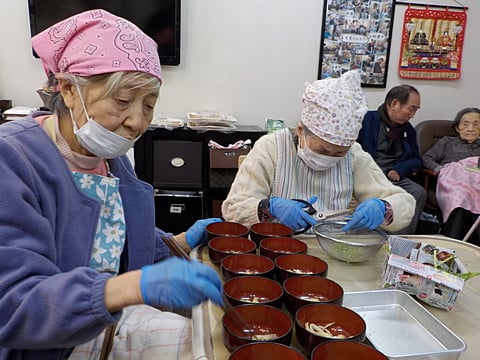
(314, 161)
(98, 140)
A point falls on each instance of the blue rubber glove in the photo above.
(179, 283)
(291, 212)
(196, 234)
(369, 214)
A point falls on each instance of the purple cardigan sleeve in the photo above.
(50, 299)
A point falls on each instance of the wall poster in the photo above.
(356, 34)
(432, 42)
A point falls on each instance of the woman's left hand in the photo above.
(196, 233)
(368, 215)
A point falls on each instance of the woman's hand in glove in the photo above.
(291, 212)
(196, 233)
(369, 214)
(179, 283)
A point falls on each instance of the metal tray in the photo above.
(401, 328)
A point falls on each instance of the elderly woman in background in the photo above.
(319, 161)
(78, 243)
(454, 158)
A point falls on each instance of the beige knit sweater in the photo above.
(256, 176)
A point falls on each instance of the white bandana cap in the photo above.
(334, 108)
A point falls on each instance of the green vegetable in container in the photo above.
(346, 252)
(467, 276)
(438, 265)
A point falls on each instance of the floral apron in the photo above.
(110, 234)
(142, 332)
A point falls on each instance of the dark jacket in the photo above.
(405, 165)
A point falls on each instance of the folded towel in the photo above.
(240, 144)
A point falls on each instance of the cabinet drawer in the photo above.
(176, 211)
(177, 164)
(226, 158)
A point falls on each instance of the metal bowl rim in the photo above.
(343, 222)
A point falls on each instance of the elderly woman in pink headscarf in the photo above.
(79, 247)
(319, 161)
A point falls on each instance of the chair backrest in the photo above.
(430, 131)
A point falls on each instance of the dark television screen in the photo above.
(160, 19)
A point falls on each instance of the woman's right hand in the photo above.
(179, 283)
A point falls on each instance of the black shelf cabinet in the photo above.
(177, 163)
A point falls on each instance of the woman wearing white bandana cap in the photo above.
(319, 161)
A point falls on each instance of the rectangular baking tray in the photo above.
(401, 328)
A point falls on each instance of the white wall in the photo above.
(249, 58)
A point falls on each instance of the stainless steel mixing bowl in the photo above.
(351, 246)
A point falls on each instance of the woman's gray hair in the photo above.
(307, 131)
(111, 82)
(460, 114)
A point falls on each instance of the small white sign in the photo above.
(176, 208)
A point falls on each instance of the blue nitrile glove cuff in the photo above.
(179, 283)
(291, 212)
(196, 234)
(368, 215)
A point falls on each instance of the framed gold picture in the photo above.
(432, 44)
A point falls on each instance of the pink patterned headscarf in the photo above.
(96, 42)
(334, 108)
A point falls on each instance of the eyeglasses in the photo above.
(413, 109)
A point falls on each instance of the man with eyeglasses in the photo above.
(389, 137)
